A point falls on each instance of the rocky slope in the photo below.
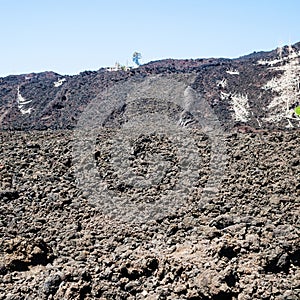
(175, 180)
(260, 90)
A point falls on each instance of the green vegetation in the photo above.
(297, 111)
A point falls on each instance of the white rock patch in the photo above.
(233, 72)
(287, 86)
(22, 102)
(59, 82)
(222, 83)
(240, 107)
(26, 111)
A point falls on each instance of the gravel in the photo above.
(241, 244)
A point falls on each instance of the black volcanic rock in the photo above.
(151, 198)
(242, 244)
(227, 84)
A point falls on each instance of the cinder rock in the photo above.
(242, 244)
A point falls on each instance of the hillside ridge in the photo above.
(260, 90)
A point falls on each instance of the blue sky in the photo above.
(70, 36)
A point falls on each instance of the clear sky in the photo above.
(70, 36)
